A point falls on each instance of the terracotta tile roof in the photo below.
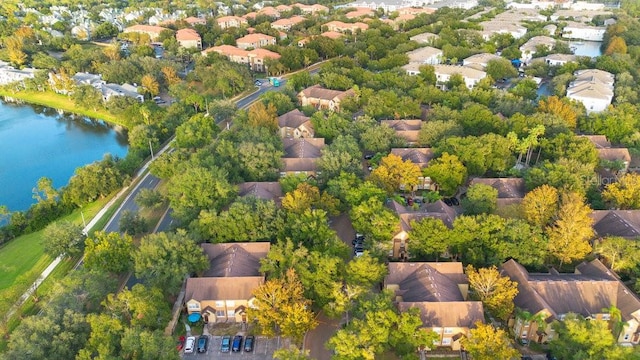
(294, 20)
(235, 259)
(263, 54)
(187, 34)
(194, 20)
(331, 34)
(145, 28)
(227, 50)
(256, 37)
(318, 92)
(463, 314)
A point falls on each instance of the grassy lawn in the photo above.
(58, 101)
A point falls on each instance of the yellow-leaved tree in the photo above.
(494, 290)
(394, 174)
(488, 343)
(572, 230)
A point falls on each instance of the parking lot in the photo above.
(263, 349)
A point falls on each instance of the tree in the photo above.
(291, 353)
(306, 197)
(197, 189)
(132, 223)
(261, 115)
(624, 193)
(164, 259)
(378, 138)
(621, 254)
(93, 181)
(559, 107)
(488, 343)
(617, 45)
(448, 172)
(572, 230)
(433, 131)
(280, 101)
(481, 199)
(149, 198)
(365, 271)
(139, 307)
(148, 345)
(342, 155)
(501, 69)
(196, 132)
(170, 75)
(88, 97)
(393, 174)
(577, 338)
(428, 238)
(564, 174)
(104, 338)
(63, 238)
(495, 291)
(374, 220)
(108, 252)
(279, 308)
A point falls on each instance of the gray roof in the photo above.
(464, 314)
(309, 148)
(424, 281)
(438, 210)
(222, 288)
(261, 190)
(624, 223)
(318, 92)
(292, 119)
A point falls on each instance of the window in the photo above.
(437, 330)
(231, 303)
(606, 317)
(194, 306)
(448, 330)
(231, 313)
(219, 303)
(446, 341)
(626, 337)
(219, 312)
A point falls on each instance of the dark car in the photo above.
(248, 343)
(226, 344)
(368, 156)
(454, 201)
(410, 201)
(237, 343)
(448, 201)
(202, 343)
(258, 83)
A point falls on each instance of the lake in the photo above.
(39, 142)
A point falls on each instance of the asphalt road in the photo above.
(148, 182)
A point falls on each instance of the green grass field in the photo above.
(58, 101)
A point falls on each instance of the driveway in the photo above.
(262, 350)
(317, 338)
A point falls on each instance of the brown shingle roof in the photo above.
(599, 141)
(625, 223)
(613, 154)
(235, 259)
(222, 288)
(261, 190)
(508, 188)
(309, 148)
(438, 210)
(447, 314)
(318, 92)
(403, 125)
(418, 156)
(292, 119)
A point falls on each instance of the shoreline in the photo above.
(57, 102)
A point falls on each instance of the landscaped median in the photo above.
(59, 101)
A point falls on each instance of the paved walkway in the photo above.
(316, 339)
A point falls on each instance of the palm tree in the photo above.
(615, 321)
(528, 318)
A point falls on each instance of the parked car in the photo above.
(454, 201)
(359, 252)
(447, 201)
(237, 343)
(248, 343)
(203, 341)
(368, 156)
(189, 345)
(226, 343)
(410, 201)
(180, 343)
(258, 83)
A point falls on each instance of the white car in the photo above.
(189, 345)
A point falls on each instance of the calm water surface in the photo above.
(38, 141)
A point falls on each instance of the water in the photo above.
(544, 90)
(38, 142)
(586, 48)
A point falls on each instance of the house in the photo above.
(295, 124)
(417, 10)
(189, 38)
(623, 223)
(255, 41)
(225, 291)
(511, 191)
(470, 76)
(301, 156)
(331, 35)
(9, 74)
(533, 45)
(479, 61)
(83, 78)
(81, 32)
(439, 290)
(580, 31)
(110, 90)
(269, 191)
(231, 21)
(599, 141)
(192, 21)
(593, 88)
(152, 31)
(288, 23)
(408, 130)
(511, 27)
(360, 12)
(418, 156)
(587, 291)
(400, 243)
(425, 38)
(311, 9)
(339, 26)
(257, 59)
(578, 14)
(425, 55)
(323, 99)
(559, 59)
(614, 162)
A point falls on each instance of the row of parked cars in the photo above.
(201, 343)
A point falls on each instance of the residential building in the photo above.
(623, 223)
(533, 45)
(288, 23)
(301, 156)
(414, 10)
(511, 191)
(580, 31)
(269, 191)
(339, 26)
(360, 12)
(311, 9)
(225, 291)
(578, 15)
(400, 246)
(425, 38)
(83, 78)
(255, 59)
(470, 76)
(559, 59)
(418, 156)
(321, 98)
(593, 88)
(440, 291)
(409, 130)
(479, 61)
(255, 41)
(295, 124)
(588, 291)
(152, 31)
(189, 38)
(110, 90)
(614, 162)
(9, 74)
(425, 55)
(231, 21)
(332, 35)
(191, 20)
